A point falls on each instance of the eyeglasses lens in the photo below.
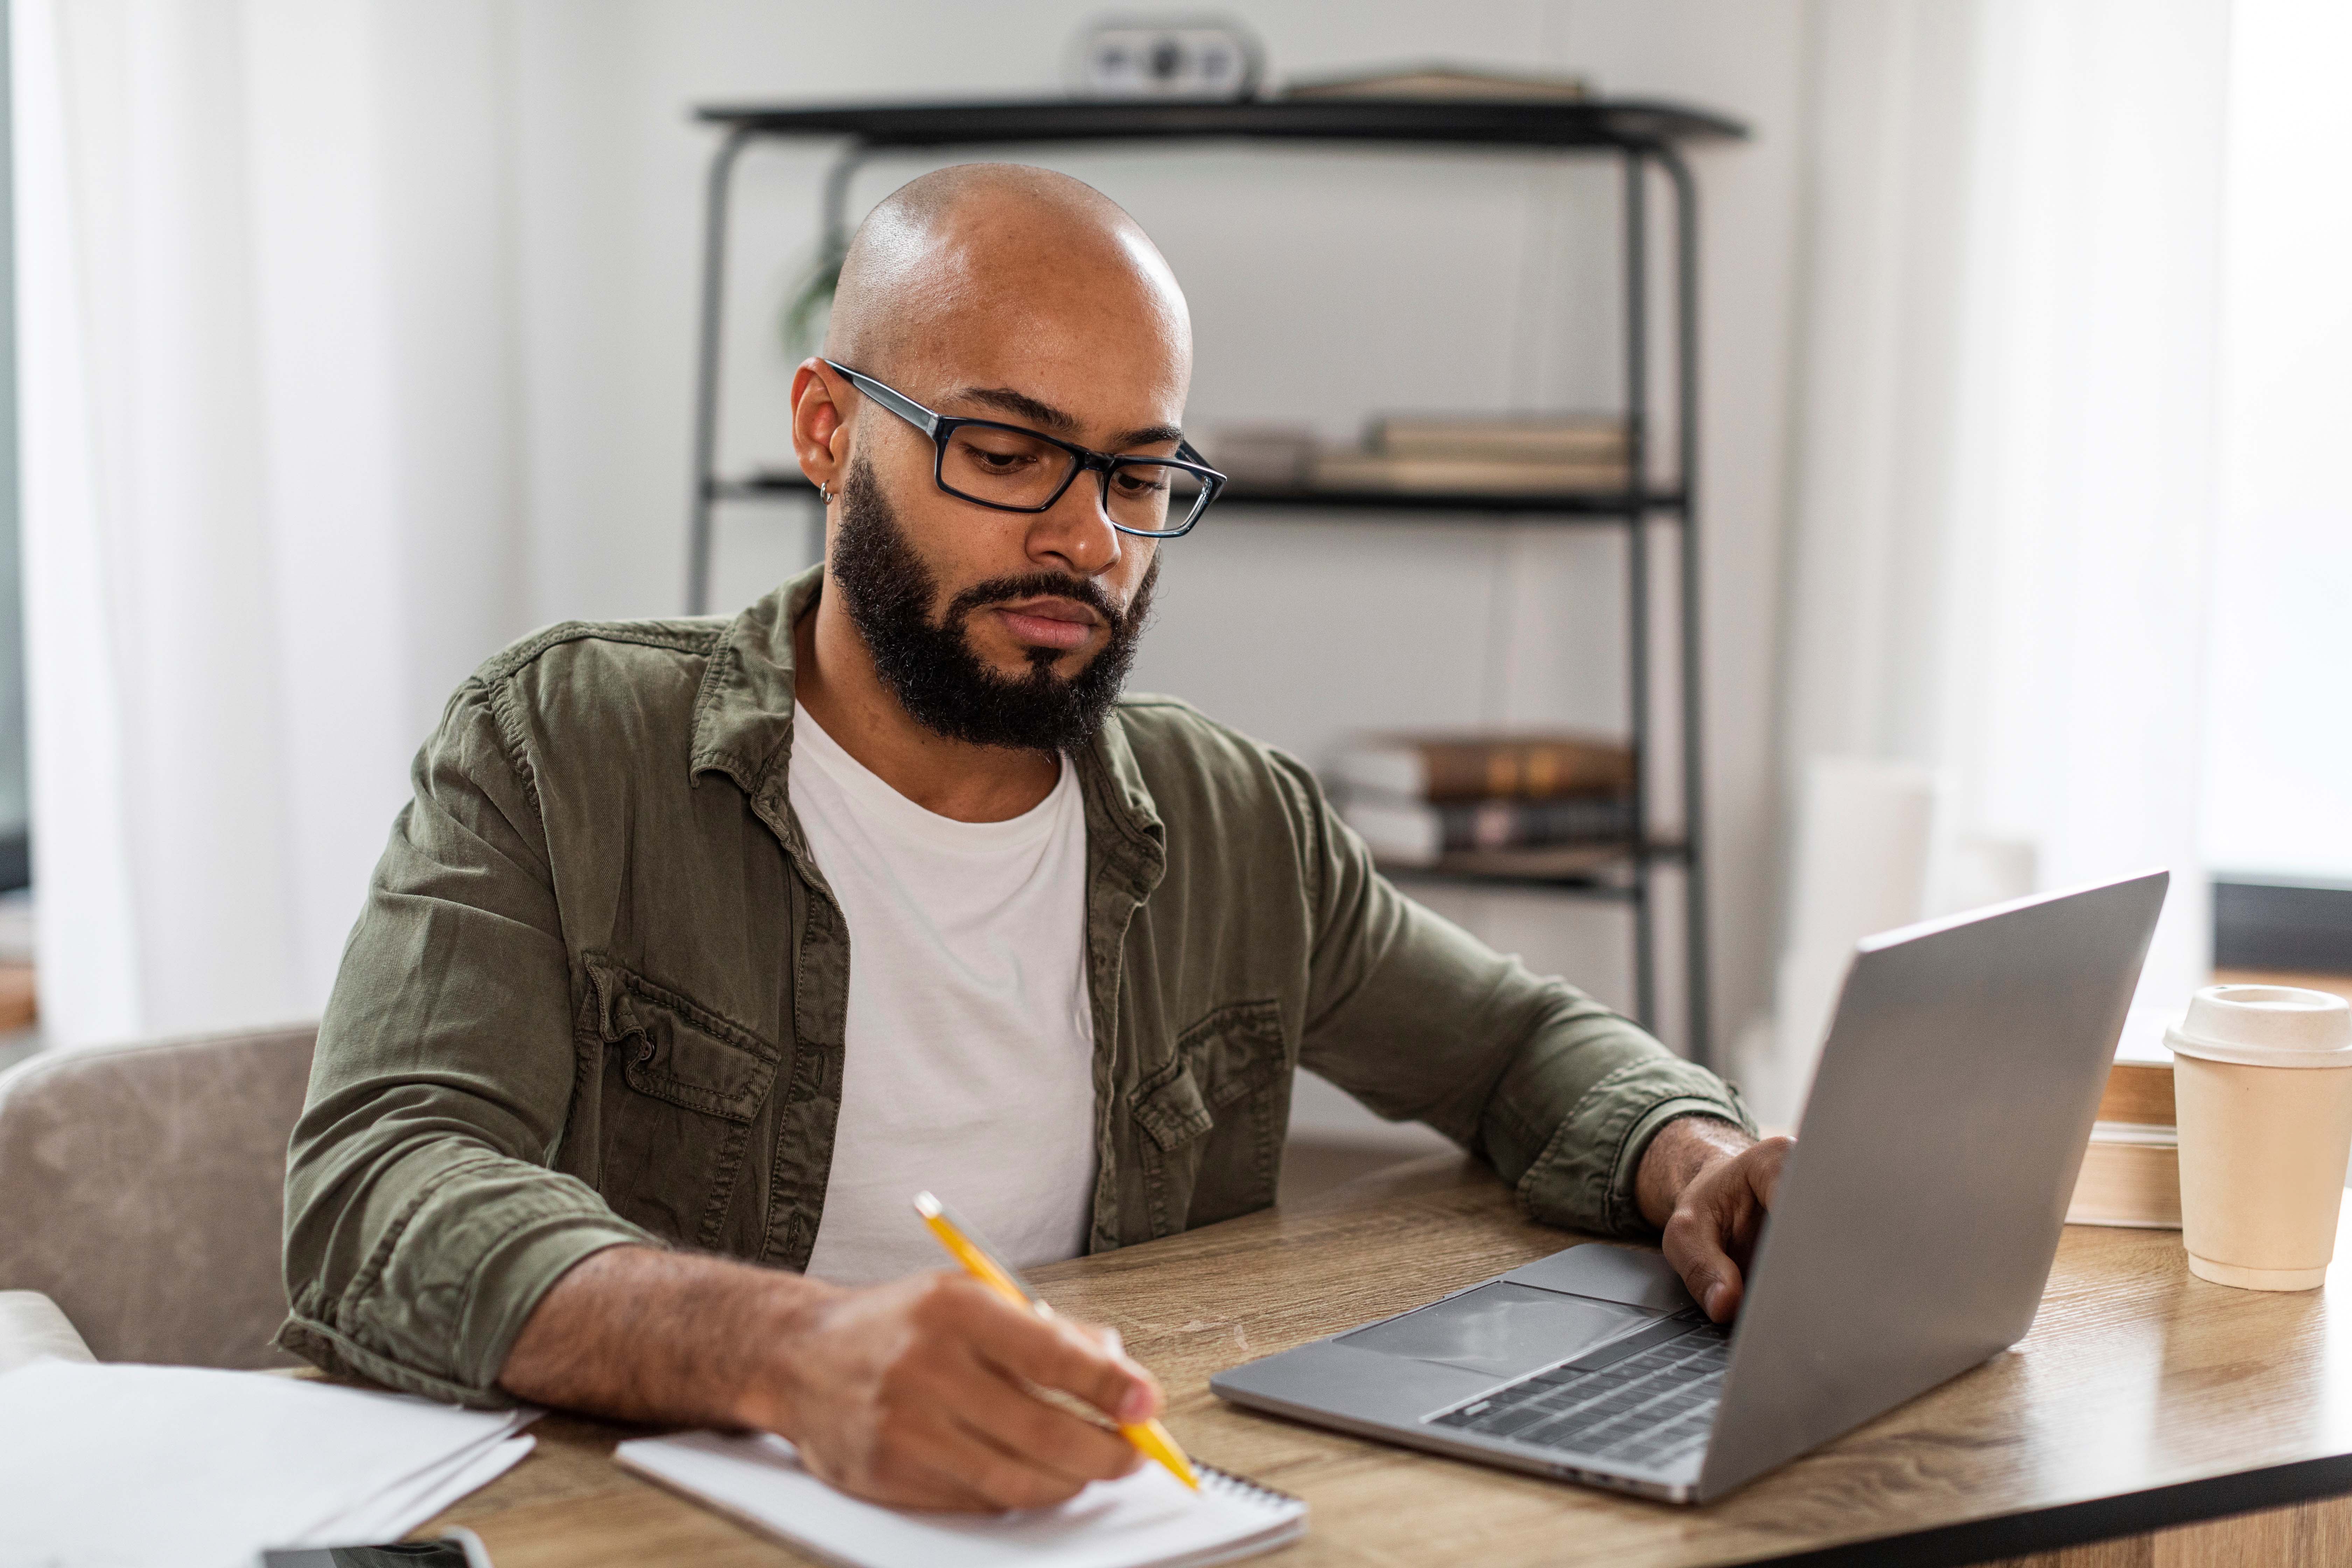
(1002, 467)
(1152, 497)
(1007, 467)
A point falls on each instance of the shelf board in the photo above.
(1591, 506)
(1484, 122)
(764, 487)
(1591, 871)
(1600, 506)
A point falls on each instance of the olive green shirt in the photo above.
(597, 997)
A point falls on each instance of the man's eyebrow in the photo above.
(1054, 419)
(1023, 404)
(1146, 436)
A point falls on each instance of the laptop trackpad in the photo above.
(1500, 1329)
(1638, 1279)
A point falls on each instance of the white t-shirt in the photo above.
(970, 1063)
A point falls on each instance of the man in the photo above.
(703, 946)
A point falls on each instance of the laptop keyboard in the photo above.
(1646, 1407)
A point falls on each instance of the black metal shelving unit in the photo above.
(1641, 136)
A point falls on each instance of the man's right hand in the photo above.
(922, 1392)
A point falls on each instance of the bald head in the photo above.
(1006, 273)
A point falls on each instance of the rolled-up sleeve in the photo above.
(423, 1220)
(1423, 1022)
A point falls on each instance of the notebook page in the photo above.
(1145, 1519)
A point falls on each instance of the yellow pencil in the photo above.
(1149, 1437)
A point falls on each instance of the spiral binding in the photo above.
(1243, 1487)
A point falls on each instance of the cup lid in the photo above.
(2265, 1026)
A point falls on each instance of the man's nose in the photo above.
(1074, 533)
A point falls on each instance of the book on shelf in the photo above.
(1529, 437)
(1588, 863)
(1442, 83)
(1401, 831)
(2131, 1168)
(1436, 766)
(1266, 456)
(1466, 473)
(1509, 454)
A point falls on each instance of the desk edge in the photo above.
(2097, 1519)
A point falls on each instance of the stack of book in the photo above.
(1444, 83)
(1486, 455)
(1549, 805)
(2131, 1172)
(1264, 456)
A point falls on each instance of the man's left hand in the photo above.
(1707, 1184)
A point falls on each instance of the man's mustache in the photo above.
(1087, 590)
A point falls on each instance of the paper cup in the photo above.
(2262, 1079)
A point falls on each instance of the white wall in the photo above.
(1326, 284)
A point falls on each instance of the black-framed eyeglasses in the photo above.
(1010, 468)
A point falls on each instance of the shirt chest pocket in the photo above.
(680, 1089)
(1212, 1120)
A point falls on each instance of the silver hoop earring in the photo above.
(825, 494)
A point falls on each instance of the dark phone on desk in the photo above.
(459, 1549)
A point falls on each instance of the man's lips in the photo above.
(1050, 622)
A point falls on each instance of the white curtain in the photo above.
(270, 486)
(2006, 426)
(2278, 776)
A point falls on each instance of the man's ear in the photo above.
(820, 431)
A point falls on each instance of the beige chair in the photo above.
(142, 1190)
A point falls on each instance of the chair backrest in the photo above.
(143, 1189)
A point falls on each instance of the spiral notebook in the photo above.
(1147, 1519)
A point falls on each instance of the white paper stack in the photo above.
(31, 1327)
(122, 1467)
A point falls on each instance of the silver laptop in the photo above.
(1917, 1222)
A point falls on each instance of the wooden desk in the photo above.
(2143, 1399)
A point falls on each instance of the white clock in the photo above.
(1177, 57)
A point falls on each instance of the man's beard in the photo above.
(931, 666)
